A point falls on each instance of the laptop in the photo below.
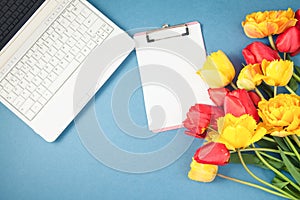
(55, 55)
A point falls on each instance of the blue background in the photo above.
(30, 168)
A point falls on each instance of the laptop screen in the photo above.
(13, 15)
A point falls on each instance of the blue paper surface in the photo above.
(30, 168)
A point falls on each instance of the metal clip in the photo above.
(167, 27)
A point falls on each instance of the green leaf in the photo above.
(277, 165)
(278, 182)
(281, 184)
(252, 159)
(291, 168)
(266, 144)
(285, 169)
(281, 143)
(293, 84)
(292, 191)
(277, 179)
(295, 144)
(268, 90)
(249, 158)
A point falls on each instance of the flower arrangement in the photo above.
(253, 123)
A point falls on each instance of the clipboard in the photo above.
(168, 59)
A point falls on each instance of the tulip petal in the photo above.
(252, 31)
(202, 172)
(277, 72)
(233, 106)
(217, 70)
(289, 41)
(268, 28)
(294, 124)
(212, 153)
(254, 97)
(249, 56)
(198, 119)
(256, 52)
(212, 78)
(287, 116)
(217, 95)
(239, 132)
(260, 132)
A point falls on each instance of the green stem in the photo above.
(290, 90)
(270, 37)
(275, 91)
(266, 150)
(296, 77)
(271, 157)
(259, 93)
(259, 179)
(269, 139)
(211, 129)
(296, 139)
(276, 171)
(234, 86)
(252, 185)
(292, 147)
(284, 56)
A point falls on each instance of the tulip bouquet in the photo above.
(253, 123)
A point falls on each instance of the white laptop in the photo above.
(55, 55)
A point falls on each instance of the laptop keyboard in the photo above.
(60, 50)
(13, 14)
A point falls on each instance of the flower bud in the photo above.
(289, 41)
(217, 70)
(278, 72)
(202, 172)
(249, 77)
(257, 51)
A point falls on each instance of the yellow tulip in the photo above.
(217, 70)
(262, 24)
(249, 77)
(239, 132)
(281, 114)
(277, 72)
(202, 172)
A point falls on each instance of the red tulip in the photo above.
(257, 51)
(217, 112)
(255, 98)
(289, 41)
(199, 117)
(197, 121)
(217, 95)
(239, 102)
(212, 153)
(297, 16)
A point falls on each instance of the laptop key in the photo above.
(11, 97)
(36, 107)
(3, 93)
(18, 102)
(30, 114)
(5, 8)
(35, 96)
(26, 105)
(3, 2)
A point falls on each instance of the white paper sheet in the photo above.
(168, 62)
